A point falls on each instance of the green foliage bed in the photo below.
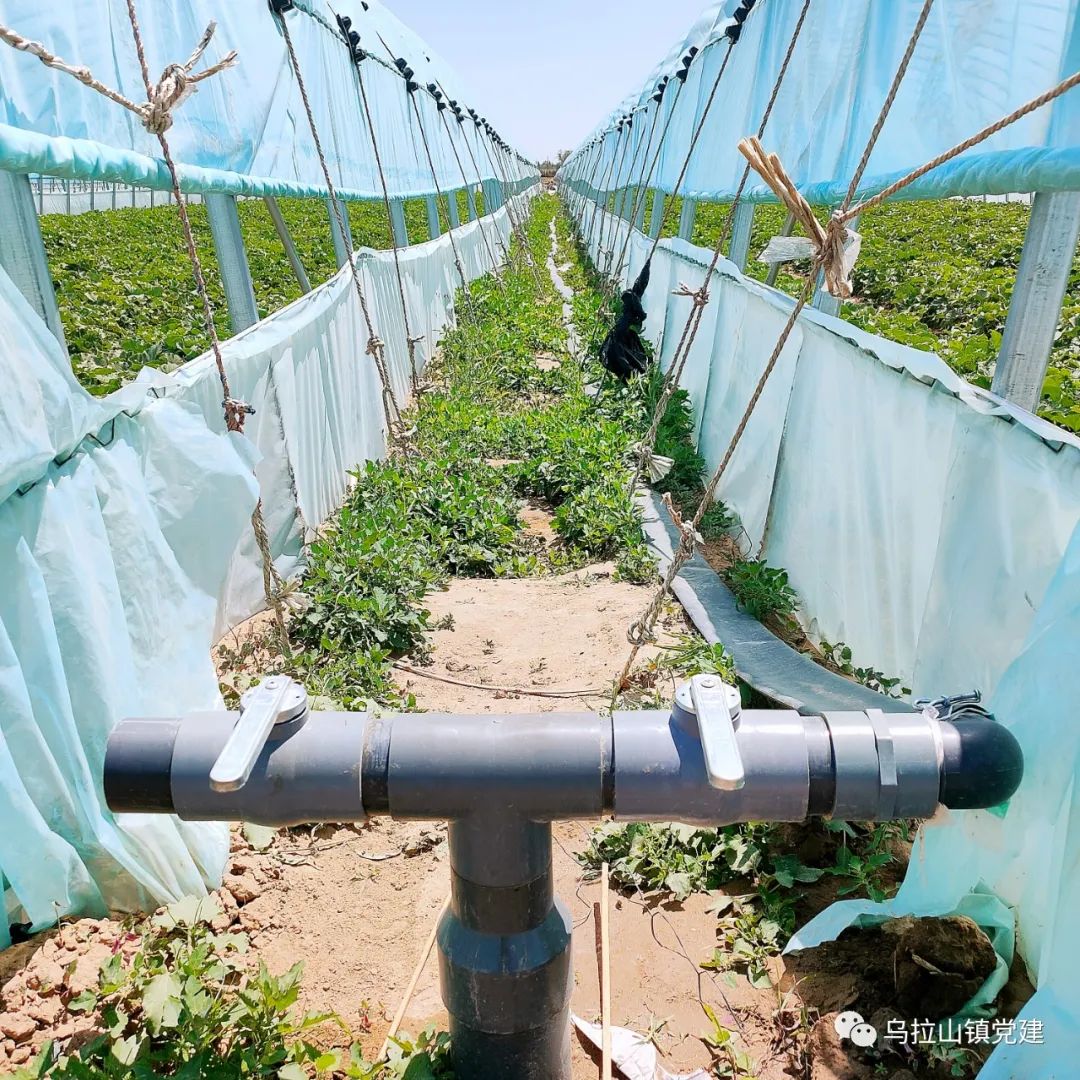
(937, 276)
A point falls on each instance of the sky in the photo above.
(545, 72)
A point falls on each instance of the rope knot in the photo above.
(700, 296)
(177, 84)
(375, 346)
(236, 413)
(833, 248)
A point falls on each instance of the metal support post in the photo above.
(434, 228)
(232, 261)
(470, 193)
(287, 242)
(1041, 281)
(659, 202)
(22, 250)
(742, 226)
(786, 230)
(640, 199)
(397, 223)
(686, 219)
(452, 209)
(341, 249)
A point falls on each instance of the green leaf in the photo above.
(161, 1001)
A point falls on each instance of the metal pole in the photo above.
(1041, 281)
(287, 242)
(341, 251)
(232, 261)
(453, 209)
(787, 229)
(397, 223)
(742, 226)
(470, 194)
(67, 197)
(686, 219)
(659, 200)
(434, 228)
(41, 194)
(639, 216)
(22, 251)
(114, 187)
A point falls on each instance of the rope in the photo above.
(235, 412)
(689, 535)
(642, 192)
(176, 84)
(516, 225)
(621, 206)
(376, 348)
(701, 295)
(393, 236)
(834, 246)
(588, 691)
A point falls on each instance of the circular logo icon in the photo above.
(851, 1026)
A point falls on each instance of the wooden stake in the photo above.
(605, 974)
(410, 989)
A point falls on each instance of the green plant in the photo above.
(187, 1003)
(839, 656)
(762, 591)
(864, 853)
(692, 655)
(731, 1063)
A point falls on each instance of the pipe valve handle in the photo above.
(717, 706)
(276, 700)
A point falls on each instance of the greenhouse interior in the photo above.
(469, 613)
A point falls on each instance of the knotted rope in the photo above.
(176, 84)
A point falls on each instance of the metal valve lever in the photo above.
(277, 700)
(716, 706)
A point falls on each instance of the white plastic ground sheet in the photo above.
(934, 530)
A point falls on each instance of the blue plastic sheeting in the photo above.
(976, 61)
(244, 131)
(935, 530)
(126, 550)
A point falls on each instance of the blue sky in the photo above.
(545, 71)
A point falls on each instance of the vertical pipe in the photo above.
(114, 187)
(67, 197)
(22, 250)
(470, 194)
(93, 192)
(639, 216)
(686, 219)
(787, 229)
(434, 228)
(341, 249)
(41, 194)
(232, 261)
(504, 953)
(287, 242)
(1041, 281)
(453, 210)
(397, 223)
(659, 200)
(742, 226)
